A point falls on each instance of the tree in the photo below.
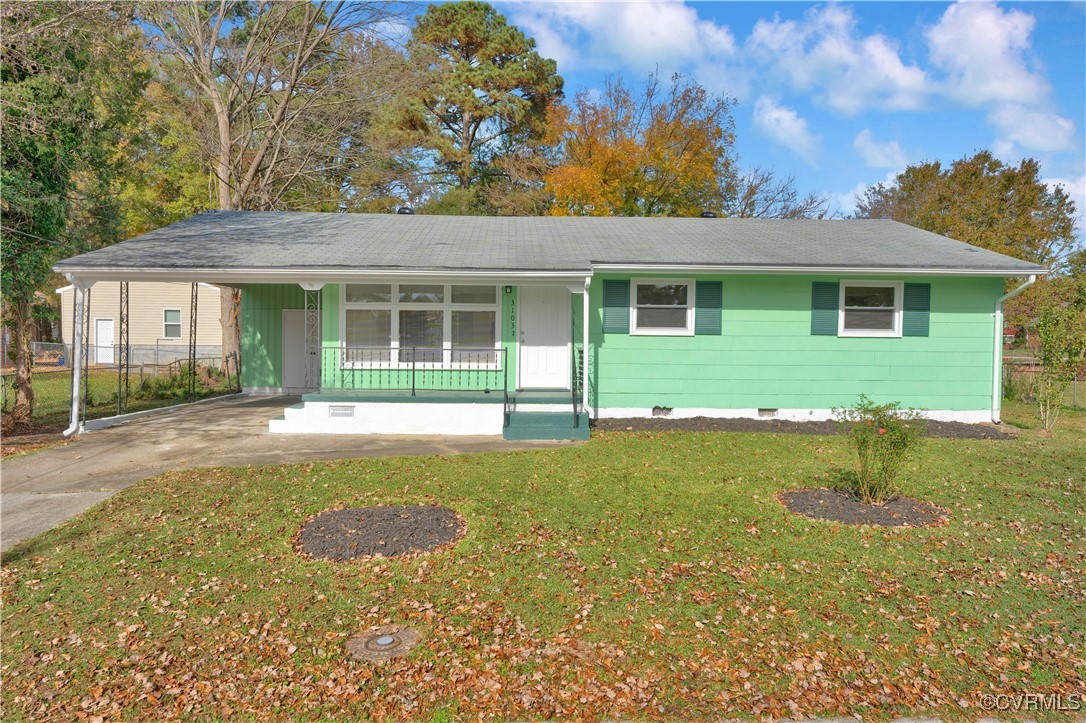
(759, 193)
(663, 152)
(71, 78)
(288, 89)
(1061, 331)
(481, 89)
(983, 202)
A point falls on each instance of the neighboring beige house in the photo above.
(158, 321)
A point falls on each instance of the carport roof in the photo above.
(239, 245)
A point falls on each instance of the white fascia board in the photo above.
(824, 270)
(227, 277)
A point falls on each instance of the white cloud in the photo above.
(984, 53)
(876, 154)
(615, 35)
(826, 55)
(1034, 130)
(786, 127)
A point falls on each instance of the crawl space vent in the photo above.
(767, 413)
(340, 410)
(661, 411)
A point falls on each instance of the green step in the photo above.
(545, 425)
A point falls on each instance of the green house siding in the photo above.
(768, 357)
(262, 332)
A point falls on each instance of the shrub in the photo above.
(884, 436)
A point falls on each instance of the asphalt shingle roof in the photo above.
(250, 240)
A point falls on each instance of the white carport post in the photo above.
(80, 286)
(312, 292)
(584, 346)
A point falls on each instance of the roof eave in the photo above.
(793, 269)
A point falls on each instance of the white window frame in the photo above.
(899, 293)
(691, 287)
(180, 325)
(395, 306)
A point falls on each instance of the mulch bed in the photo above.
(955, 430)
(368, 532)
(838, 506)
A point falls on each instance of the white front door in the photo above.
(103, 341)
(544, 336)
(294, 349)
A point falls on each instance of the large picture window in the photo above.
(870, 308)
(662, 307)
(420, 323)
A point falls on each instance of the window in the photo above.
(662, 307)
(171, 323)
(870, 308)
(416, 323)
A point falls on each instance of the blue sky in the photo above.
(844, 95)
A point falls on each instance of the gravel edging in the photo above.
(951, 430)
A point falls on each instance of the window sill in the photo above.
(869, 334)
(661, 332)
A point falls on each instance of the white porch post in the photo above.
(75, 424)
(584, 346)
(312, 324)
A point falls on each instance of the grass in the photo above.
(638, 575)
(53, 388)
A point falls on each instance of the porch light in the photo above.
(509, 289)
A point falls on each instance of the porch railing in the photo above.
(414, 369)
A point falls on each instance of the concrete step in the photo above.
(545, 425)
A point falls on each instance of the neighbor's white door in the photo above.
(544, 336)
(103, 341)
(293, 349)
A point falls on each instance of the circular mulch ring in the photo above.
(837, 506)
(365, 532)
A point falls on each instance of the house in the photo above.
(158, 321)
(530, 326)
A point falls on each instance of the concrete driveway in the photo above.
(41, 490)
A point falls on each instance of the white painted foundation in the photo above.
(390, 418)
(970, 416)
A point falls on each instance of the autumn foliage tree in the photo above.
(286, 90)
(984, 202)
(665, 150)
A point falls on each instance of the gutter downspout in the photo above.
(74, 424)
(997, 348)
(584, 360)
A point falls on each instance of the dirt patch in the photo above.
(366, 532)
(18, 445)
(838, 506)
(954, 430)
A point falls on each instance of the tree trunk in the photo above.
(230, 307)
(22, 412)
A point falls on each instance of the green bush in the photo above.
(883, 436)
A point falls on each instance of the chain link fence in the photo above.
(1020, 381)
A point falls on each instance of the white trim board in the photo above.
(968, 416)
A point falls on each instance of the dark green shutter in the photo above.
(824, 300)
(616, 307)
(917, 308)
(707, 304)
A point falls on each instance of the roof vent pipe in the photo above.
(708, 214)
(405, 211)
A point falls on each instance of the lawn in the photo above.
(638, 575)
(53, 389)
